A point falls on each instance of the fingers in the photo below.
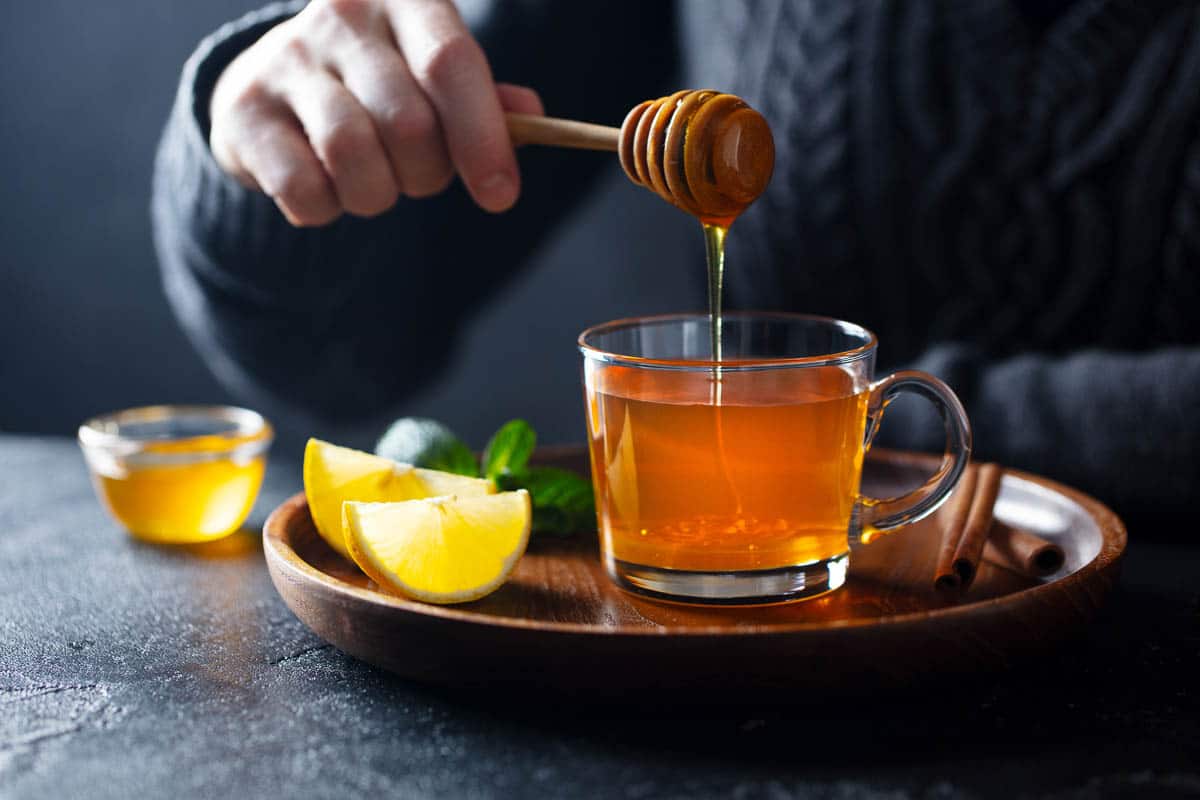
(343, 137)
(257, 140)
(286, 169)
(353, 102)
(453, 73)
(520, 99)
(404, 120)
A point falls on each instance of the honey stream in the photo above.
(714, 253)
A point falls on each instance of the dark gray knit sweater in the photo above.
(1008, 193)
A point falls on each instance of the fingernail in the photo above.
(497, 192)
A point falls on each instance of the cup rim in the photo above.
(250, 429)
(824, 360)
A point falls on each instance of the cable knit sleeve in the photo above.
(343, 321)
(1120, 426)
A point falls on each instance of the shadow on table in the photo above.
(241, 543)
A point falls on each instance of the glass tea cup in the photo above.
(177, 474)
(738, 482)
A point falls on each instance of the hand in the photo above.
(352, 103)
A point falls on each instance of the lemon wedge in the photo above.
(333, 475)
(440, 549)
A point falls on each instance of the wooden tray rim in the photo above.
(281, 556)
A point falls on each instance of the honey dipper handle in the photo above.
(532, 129)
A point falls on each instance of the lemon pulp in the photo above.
(440, 549)
(334, 475)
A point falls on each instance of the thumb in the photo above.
(519, 99)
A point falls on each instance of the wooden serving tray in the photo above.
(561, 623)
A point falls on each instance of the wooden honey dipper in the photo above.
(707, 153)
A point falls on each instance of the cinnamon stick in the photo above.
(1022, 551)
(979, 523)
(953, 518)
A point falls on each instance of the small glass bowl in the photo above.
(177, 474)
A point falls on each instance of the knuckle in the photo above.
(354, 12)
(451, 57)
(343, 143)
(412, 124)
(291, 50)
(241, 88)
(251, 95)
(279, 52)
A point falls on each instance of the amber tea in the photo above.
(765, 479)
(736, 480)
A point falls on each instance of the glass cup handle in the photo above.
(877, 515)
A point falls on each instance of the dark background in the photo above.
(84, 325)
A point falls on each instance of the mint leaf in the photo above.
(560, 488)
(552, 521)
(509, 449)
(563, 502)
(426, 443)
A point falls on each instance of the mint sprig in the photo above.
(509, 449)
(562, 501)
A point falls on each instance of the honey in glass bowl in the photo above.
(177, 474)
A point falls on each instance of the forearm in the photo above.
(1121, 426)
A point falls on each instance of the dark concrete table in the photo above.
(133, 671)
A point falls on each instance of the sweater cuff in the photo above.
(911, 423)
